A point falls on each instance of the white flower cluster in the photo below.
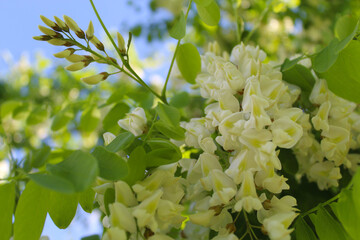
(251, 114)
(339, 126)
(149, 208)
(249, 118)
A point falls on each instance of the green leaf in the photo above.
(299, 76)
(111, 165)
(177, 133)
(31, 212)
(39, 156)
(62, 118)
(38, 115)
(178, 30)
(7, 204)
(203, 3)
(79, 168)
(345, 210)
(168, 114)
(21, 112)
(210, 13)
(344, 26)
(137, 165)
(162, 152)
(91, 237)
(86, 199)
(90, 119)
(53, 182)
(288, 64)
(303, 231)
(121, 142)
(114, 115)
(62, 208)
(109, 197)
(189, 62)
(180, 100)
(326, 226)
(328, 56)
(343, 77)
(8, 107)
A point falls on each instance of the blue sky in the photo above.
(19, 20)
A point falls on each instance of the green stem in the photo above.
(163, 92)
(321, 204)
(125, 63)
(238, 36)
(148, 133)
(262, 15)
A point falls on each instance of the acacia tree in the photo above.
(258, 150)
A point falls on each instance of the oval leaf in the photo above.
(31, 212)
(79, 168)
(178, 30)
(111, 165)
(210, 13)
(62, 208)
(53, 182)
(7, 203)
(189, 62)
(121, 142)
(137, 165)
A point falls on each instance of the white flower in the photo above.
(124, 194)
(246, 197)
(320, 92)
(277, 225)
(145, 212)
(108, 138)
(121, 217)
(325, 174)
(286, 133)
(320, 120)
(336, 143)
(223, 186)
(115, 233)
(134, 122)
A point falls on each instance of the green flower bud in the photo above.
(65, 53)
(95, 79)
(121, 43)
(76, 66)
(90, 31)
(61, 24)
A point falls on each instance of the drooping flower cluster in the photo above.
(338, 124)
(251, 116)
(249, 119)
(148, 208)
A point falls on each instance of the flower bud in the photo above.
(61, 24)
(50, 23)
(49, 32)
(72, 24)
(42, 38)
(90, 31)
(57, 42)
(95, 41)
(65, 53)
(95, 79)
(76, 66)
(121, 43)
(76, 58)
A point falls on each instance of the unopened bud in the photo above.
(80, 34)
(121, 43)
(61, 24)
(75, 58)
(57, 42)
(65, 53)
(76, 66)
(231, 227)
(90, 31)
(42, 38)
(48, 31)
(98, 59)
(50, 23)
(72, 24)
(95, 41)
(95, 79)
